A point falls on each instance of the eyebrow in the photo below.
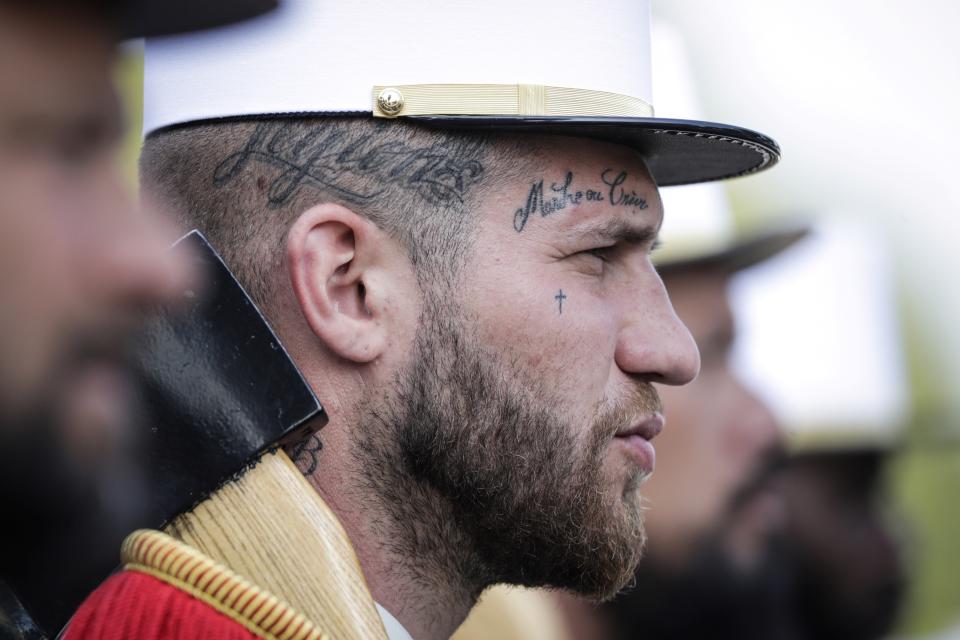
(621, 232)
(103, 128)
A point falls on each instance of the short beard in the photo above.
(483, 481)
(55, 501)
(711, 597)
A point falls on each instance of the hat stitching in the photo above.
(764, 154)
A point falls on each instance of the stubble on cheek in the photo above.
(516, 471)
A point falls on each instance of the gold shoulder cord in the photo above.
(182, 566)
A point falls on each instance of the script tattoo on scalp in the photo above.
(561, 196)
(357, 167)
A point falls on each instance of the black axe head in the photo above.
(219, 386)
(218, 390)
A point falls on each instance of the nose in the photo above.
(142, 270)
(654, 344)
(128, 262)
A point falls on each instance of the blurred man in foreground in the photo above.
(77, 260)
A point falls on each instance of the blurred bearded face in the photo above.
(721, 441)
(76, 260)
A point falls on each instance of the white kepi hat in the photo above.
(819, 339)
(548, 66)
(705, 236)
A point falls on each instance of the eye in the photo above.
(604, 253)
(79, 148)
(593, 262)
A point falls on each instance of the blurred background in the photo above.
(863, 99)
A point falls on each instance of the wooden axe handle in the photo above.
(270, 526)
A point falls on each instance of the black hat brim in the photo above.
(676, 151)
(741, 254)
(147, 18)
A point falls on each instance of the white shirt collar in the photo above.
(395, 630)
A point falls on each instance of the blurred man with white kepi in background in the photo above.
(844, 399)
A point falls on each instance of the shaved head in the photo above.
(244, 183)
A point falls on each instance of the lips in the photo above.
(648, 429)
(635, 441)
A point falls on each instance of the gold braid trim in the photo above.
(182, 566)
(502, 99)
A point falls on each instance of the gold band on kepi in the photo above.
(391, 101)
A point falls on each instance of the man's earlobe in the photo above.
(328, 251)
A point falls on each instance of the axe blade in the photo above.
(219, 386)
(218, 390)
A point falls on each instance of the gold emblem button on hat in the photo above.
(390, 101)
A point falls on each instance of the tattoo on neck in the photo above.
(562, 196)
(305, 454)
(358, 168)
(560, 297)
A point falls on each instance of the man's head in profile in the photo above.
(474, 303)
(489, 388)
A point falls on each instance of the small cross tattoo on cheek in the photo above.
(560, 297)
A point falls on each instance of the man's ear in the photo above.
(329, 248)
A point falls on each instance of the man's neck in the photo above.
(412, 568)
